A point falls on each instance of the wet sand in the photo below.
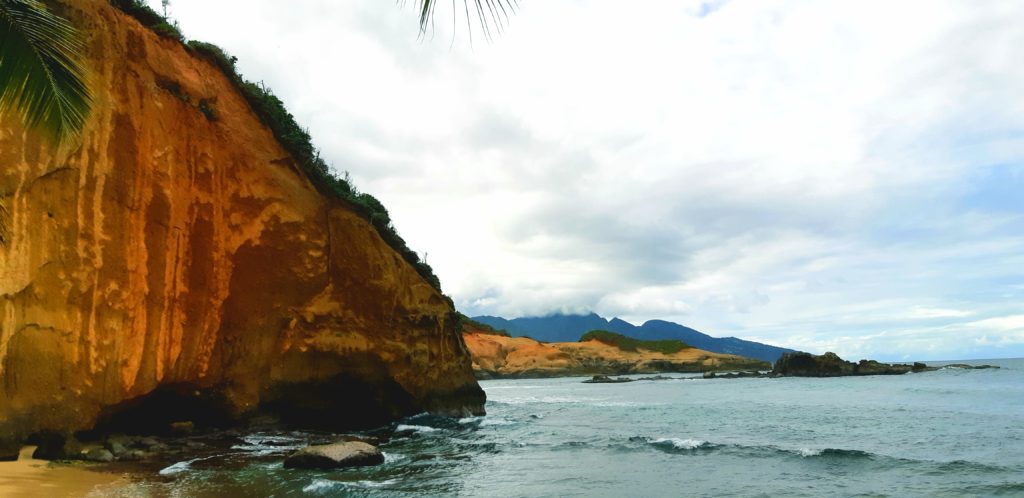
(37, 478)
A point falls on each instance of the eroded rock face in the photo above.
(169, 267)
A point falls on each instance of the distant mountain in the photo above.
(568, 328)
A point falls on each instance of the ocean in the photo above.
(944, 433)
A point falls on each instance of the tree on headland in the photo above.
(41, 76)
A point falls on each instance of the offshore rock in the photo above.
(604, 379)
(335, 456)
(802, 364)
(167, 266)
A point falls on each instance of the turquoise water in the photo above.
(943, 433)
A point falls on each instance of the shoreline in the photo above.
(31, 478)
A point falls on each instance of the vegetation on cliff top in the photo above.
(626, 343)
(41, 76)
(294, 138)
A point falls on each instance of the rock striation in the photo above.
(173, 264)
(498, 356)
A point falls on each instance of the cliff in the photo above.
(175, 264)
(498, 356)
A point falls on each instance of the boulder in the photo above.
(99, 455)
(335, 456)
(116, 447)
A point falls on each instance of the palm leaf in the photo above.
(491, 15)
(41, 77)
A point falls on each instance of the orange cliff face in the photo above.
(497, 356)
(166, 266)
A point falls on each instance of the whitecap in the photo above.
(372, 484)
(319, 486)
(416, 428)
(496, 421)
(177, 468)
(809, 452)
(393, 457)
(682, 444)
(186, 465)
(261, 445)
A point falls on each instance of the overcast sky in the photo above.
(843, 175)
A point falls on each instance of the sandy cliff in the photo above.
(169, 265)
(496, 356)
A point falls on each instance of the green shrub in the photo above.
(295, 139)
(206, 107)
(626, 343)
(149, 18)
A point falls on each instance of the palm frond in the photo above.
(491, 15)
(41, 77)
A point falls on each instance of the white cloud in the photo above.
(814, 174)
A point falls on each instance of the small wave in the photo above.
(689, 445)
(1001, 489)
(176, 468)
(682, 444)
(523, 400)
(261, 445)
(966, 466)
(183, 466)
(414, 428)
(834, 453)
(319, 486)
(267, 440)
(495, 421)
(390, 458)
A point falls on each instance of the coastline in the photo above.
(31, 478)
(501, 357)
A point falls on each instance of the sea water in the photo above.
(944, 433)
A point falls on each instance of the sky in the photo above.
(825, 176)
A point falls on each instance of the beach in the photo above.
(31, 478)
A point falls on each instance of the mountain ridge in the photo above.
(567, 328)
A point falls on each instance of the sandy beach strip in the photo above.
(28, 477)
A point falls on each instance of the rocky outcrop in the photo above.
(335, 456)
(498, 356)
(831, 365)
(174, 264)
